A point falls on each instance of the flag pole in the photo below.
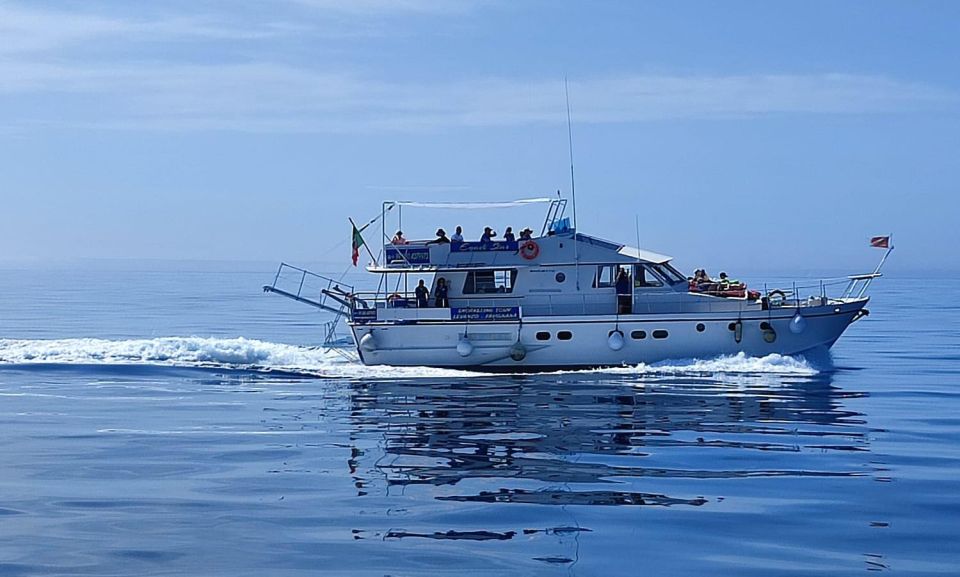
(883, 259)
(364, 242)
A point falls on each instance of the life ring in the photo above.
(529, 250)
(776, 297)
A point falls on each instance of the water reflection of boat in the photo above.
(588, 441)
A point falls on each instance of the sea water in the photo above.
(168, 418)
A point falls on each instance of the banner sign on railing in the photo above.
(497, 245)
(485, 313)
(362, 316)
(403, 254)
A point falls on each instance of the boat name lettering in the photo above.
(412, 255)
(496, 245)
(484, 313)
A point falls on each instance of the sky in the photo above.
(751, 135)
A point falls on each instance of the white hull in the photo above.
(435, 344)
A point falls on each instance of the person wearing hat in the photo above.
(487, 236)
(526, 234)
(441, 237)
(398, 238)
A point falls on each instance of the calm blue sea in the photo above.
(170, 419)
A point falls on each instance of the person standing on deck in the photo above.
(623, 292)
(440, 294)
(423, 295)
(487, 237)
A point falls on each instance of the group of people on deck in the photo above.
(440, 299)
(701, 281)
(486, 238)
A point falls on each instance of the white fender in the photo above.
(368, 342)
(615, 340)
(798, 324)
(464, 347)
(518, 352)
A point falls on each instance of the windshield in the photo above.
(670, 273)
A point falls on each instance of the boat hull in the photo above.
(585, 341)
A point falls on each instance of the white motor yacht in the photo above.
(564, 299)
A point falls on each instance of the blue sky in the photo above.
(758, 135)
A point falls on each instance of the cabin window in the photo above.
(646, 277)
(543, 336)
(660, 334)
(638, 335)
(564, 335)
(606, 277)
(490, 281)
(701, 327)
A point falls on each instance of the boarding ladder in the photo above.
(316, 290)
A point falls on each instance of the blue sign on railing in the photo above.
(362, 316)
(495, 245)
(404, 255)
(485, 313)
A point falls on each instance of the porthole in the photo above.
(543, 336)
(638, 335)
(701, 327)
(564, 335)
(560, 277)
(764, 326)
(732, 326)
(660, 334)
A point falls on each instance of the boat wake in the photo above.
(261, 356)
(204, 353)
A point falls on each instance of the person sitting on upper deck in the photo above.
(440, 294)
(423, 294)
(526, 234)
(726, 282)
(487, 237)
(457, 235)
(398, 238)
(441, 237)
(508, 235)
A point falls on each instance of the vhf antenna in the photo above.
(573, 187)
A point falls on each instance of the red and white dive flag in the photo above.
(880, 242)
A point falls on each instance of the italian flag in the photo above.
(357, 243)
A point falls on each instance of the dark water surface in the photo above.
(141, 436)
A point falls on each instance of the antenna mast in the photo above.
(573, 187)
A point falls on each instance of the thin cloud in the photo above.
(38, 31)
(389, 7)
(262, 97)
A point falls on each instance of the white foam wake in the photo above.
(236, 353)
(724, 365)
(251, 354)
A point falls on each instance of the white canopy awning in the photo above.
(644, 255)
(463, 205)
